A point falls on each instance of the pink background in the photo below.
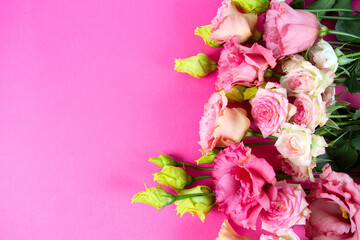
(87, 94)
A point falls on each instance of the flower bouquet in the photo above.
(278, 83)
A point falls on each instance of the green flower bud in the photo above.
(155, 196)
(197, 66)
(204, 32)
(174, 177)
(200, 206)
(250, 93)
(343, 60)
(236, 94)
(209, 158)
(163, 160)
(252, 6)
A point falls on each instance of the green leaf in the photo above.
(357, 114)
(297, 4)
(321, 4)
(351, 27)
(208, 158)
(330, 123)
(352, 84)
(344, 156)
(322, 160)
(250, 93)
(331, 109)
(357, 68)
(343, 4)
(342, 103)
(344, 70)
(356, 142)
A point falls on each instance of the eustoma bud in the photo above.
(155, 196)
(197, 66)
(200, 205)
(204, 32)
(174, 177)
(163, 160)
(253, 6)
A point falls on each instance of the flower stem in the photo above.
(259, 143)
(340, 116)
(340, 18)
(256, 134)
(277, 75)
(342, 34)
(201, 177)
(194, 195)
(344, 43)
(193, 166)
(348, 123)
(350, 55)
(332, 10)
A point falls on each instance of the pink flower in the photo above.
(283, 27)
(241, 184)
(283, 234)
(288, 207)
(220, 126)
(271, 109)
(302, 77)
(335, 205)
(298, 145)
(297, 172)
(311, 111)
(230, 22)
(242, 65)
(227, 233)
(322, 55)
(329, 95)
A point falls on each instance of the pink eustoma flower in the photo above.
(288, 31)
(241, 184)
(242, 65)
(335, 205)
(288, 207)
(220, 126)
(230, 22)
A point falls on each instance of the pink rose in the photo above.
(283, 234)
(302, 77)
(288, 207)
(270, 109)
(241, 184)
(335, 205)
(282, 28)
(298, 145)
(298, 173)
(220, 126)
(242, 65)
(311, 111)
(230, 22)
(329, 95)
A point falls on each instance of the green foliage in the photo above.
(321, 4)
(297, 4)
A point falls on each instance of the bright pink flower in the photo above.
(270, 109)
(311, 111)
(335, 205)
(242, 65)
(241, 184)
(288, 207)
(230, 22)
(220, 126)
(288, 31)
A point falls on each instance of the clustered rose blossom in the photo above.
(241, 184)
(282, 27)
(242, 65)
(270, 109)
(335, 205)
(220, 126)
(229, 22)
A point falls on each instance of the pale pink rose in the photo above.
(298, 145)
(335, 204)
(303, 77)
(288, 208)
(310, 111)
(242, 184)
(298, 173)
(220, 126)
(322, 55)
(230, 22)
(328, 95)
(292, 62)
(242, 65)
(270, 109)
(288, 31)
(227, 233)
(283, 234)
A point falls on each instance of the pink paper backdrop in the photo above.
(87, 95)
